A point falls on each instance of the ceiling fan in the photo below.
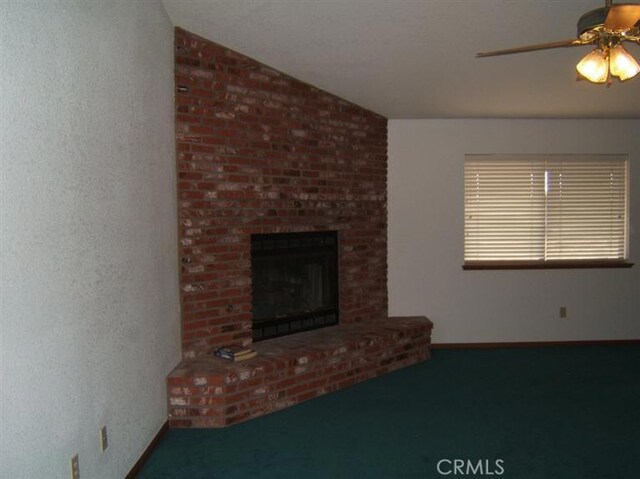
(606, 28)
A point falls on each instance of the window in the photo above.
(545, 210)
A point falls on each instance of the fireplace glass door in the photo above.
(294, 283)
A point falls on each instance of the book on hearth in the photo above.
(235, 353)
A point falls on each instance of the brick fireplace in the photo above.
(259, 152)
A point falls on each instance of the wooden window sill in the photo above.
(569, 264)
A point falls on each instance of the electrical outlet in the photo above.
(563, 312)
(104, 441)
(75, 468)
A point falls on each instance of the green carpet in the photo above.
(547, 413)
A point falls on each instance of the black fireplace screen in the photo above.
(294, 282)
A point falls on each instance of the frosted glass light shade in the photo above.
(622, 64)
(594, 66)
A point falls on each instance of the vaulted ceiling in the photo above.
(416, 58)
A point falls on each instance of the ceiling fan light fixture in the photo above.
(594, 66)
(622, 64)
(607, 28)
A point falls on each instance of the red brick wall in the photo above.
(261, 152)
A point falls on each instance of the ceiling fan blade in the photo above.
(622, 17)
(531, 48)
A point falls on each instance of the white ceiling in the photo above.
(416, 58)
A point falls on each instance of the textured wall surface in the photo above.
(90, 309)
(261, 152)
(426, 223)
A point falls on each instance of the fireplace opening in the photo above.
(294, 281)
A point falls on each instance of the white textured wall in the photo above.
(426, 237)
(90, 312)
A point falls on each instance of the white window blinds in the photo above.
(545, 208)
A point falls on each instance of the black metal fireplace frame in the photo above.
(297, 243)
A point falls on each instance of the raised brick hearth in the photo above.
(259, 152)
(212, 392)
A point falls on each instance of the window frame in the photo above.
(515, 264)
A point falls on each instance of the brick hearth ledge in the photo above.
(208, 391)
